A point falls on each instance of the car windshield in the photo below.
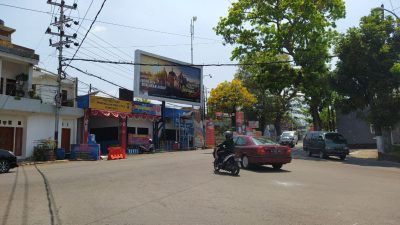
(335, 138)
(287, 134)
(262, 141)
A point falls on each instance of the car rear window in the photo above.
(334, 137)
(262, 141)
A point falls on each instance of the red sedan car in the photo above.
(261, 151)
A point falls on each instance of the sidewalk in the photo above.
(364, 153)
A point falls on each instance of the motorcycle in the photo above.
(148, 148)
(229, 163)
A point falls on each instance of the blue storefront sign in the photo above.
(85, 151)
(146, 108)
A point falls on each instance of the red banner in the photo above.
(210, 134)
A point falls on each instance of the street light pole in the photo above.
(391, 12)
(194, 18)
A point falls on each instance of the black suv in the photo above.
(325, 144)
(7, 161)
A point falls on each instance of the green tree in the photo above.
(274, 86)
(301, 29)
(229, 96)
(367, 77)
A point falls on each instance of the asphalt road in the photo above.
(181, 188)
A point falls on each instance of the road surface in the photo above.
(181, 188)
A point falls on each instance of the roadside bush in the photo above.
(44, 150)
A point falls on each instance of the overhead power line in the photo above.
(87, 32)
(113, 24)
(153, 46)
(84, 17)
(98, 77)
(176, 64)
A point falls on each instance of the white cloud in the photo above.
(98, 29)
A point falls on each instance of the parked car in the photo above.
(7, 161)
(325, 144)
(289, 138)
(261, 151)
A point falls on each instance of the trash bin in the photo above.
(60, 153)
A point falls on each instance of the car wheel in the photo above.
(245, 162)
(342, 157)
(277, 166)
(4, 166)
(322, 155)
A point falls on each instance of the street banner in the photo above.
(110, 104)
(164, 79)
(210, 134)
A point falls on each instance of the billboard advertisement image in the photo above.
(164, 79)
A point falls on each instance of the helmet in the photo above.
(228, 135)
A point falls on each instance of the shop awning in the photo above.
(105, 113)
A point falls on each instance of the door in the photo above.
(66, 139)
(7, 138)
(18, 141)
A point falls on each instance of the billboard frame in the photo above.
(139, 53)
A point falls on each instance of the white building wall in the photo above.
(42, 127)
(38, 127)
(141, 123)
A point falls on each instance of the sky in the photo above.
(159, 26)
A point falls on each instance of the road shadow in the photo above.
(10, 199)
(26, 197)
(225, 173)
(298, 154)
(266, 169)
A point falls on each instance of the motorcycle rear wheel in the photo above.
(235, 171)
(216, 168)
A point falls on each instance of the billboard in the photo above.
(165, 79)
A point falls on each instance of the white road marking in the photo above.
(287, 183)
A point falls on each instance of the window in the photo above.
(263, 141)
(10, 87)
(142, 131)
(64, 98)
(131, 130)
(1, 85)
(240, 141)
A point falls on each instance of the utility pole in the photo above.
(63, 40)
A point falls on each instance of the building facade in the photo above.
(359, 133)
(24, 117)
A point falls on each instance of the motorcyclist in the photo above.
(226, 147)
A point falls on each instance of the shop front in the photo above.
(179, 128)
(140, 124)
(105, 119)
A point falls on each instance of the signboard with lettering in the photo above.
(146, 109)
(110, 104)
